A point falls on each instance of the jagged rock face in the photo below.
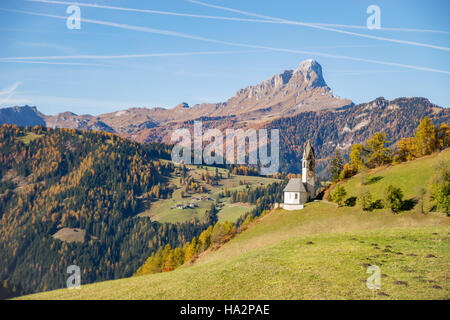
(312, 72)
(308, 76)
(288, 93)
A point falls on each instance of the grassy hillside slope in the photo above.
(320, 252)
(408, 176)
(274, 259)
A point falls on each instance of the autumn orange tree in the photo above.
(443, 136)
(426, 137)
(169, 259)
(406, 150)
(378, 153)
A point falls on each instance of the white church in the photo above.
(299, 191)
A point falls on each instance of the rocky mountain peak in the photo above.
(307, 76)
(290, 88)
(310, 65)
(312, 73)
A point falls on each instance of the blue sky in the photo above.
(234, 53)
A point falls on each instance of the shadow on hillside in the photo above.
(377, 204)
(320, 194)
(408, 204)
(373, 179)
(350, 202)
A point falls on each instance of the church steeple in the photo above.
(308, 168)
(309, 159)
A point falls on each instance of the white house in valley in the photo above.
(298, 191)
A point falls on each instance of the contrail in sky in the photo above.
(127, 56)
(17, 60)
(7, 93)
(149, 55)
(190, 15)
(236, 44)
(10, 89)
(419, 44)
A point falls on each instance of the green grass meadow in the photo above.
(321, 252)
(409, 176)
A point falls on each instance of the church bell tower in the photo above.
(308, 167)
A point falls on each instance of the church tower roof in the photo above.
(309, 150)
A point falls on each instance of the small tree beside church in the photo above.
(338, 195)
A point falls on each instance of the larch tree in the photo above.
(393, 198)
(443, 136)
(378, 153)
(338, 195)
(356, 157)
(426, 137)
(337, 164)
(365, 199)
(406, 150)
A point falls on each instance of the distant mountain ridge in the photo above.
(291, 98)
(288, 93)
(22, 116)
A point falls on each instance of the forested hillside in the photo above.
(339, 130)
(62, 179)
